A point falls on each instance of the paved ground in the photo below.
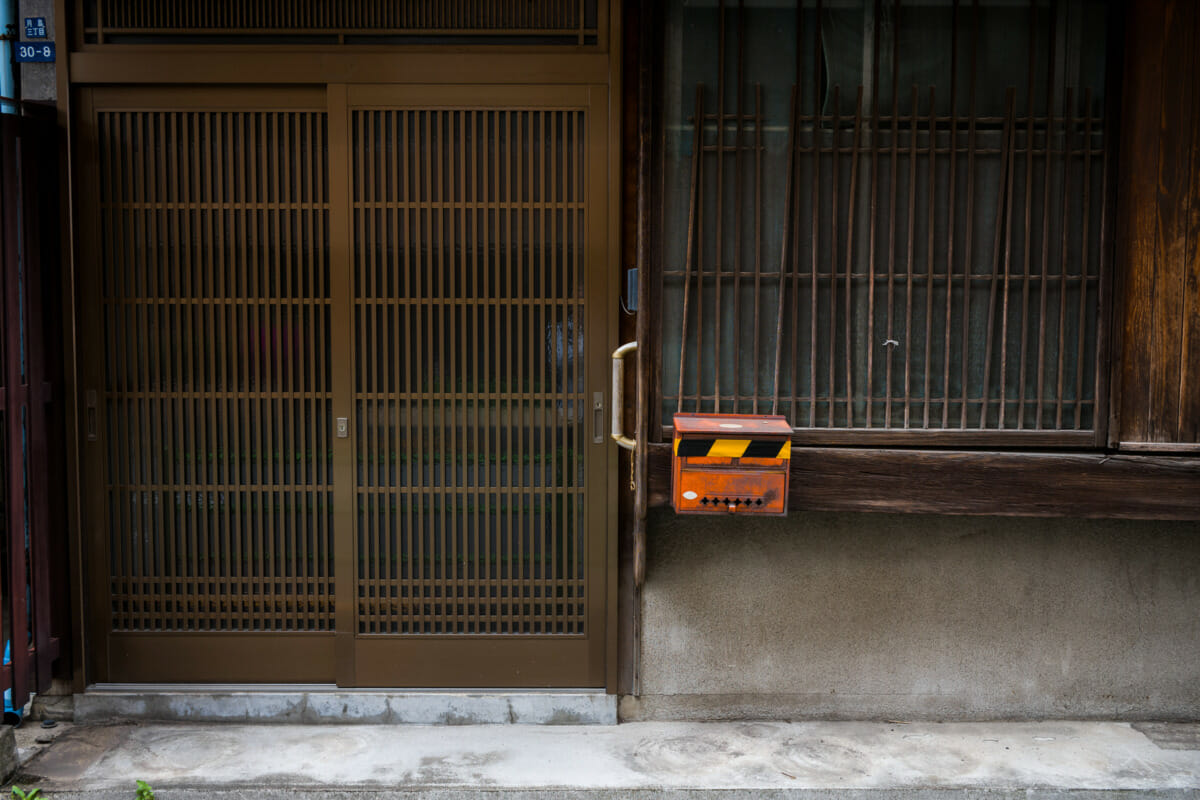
(658, 760)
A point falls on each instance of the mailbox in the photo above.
(730, 464)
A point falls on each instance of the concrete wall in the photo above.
(38, 81)
(877, 616)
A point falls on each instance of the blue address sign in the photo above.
(35, 27)
(26, 52)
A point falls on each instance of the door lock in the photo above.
(598, 418)
(343, 427)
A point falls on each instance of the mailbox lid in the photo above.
(731, 425)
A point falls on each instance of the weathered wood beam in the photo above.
(978, 483)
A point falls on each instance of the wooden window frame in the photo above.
(934, 471)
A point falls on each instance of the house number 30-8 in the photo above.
(40, 52)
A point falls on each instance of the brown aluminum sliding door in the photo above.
(422, 263)
(478, 239)
(207, 383)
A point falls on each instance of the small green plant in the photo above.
(32, 794)
(144, 792)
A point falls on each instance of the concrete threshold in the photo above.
(326, 705)
(659, 760)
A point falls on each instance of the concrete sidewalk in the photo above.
(661, 760)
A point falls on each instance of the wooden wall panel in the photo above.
(1189, 383)
(1157, 241)
(1093, 485)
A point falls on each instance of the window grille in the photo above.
(885, 215)
(545, 22)
(215, 262)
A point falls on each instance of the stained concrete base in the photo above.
(8, 753)
(660, 760)
(325, 705)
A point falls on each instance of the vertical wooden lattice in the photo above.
(217, 376)
(520, 22)
(468, 233)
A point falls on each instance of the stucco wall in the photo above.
(877, 616)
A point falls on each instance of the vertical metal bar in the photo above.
(303, 210)
(1068, 121)
(372, 310)
(1083, 258)
(1028, 221)
(261, 325)
(193, 197)
(969, 239)
(739, 217)
(1046, 188)
(274, 349)
(910, 266)
(893, 162)
(438, 417)
(208, 313)
(325, 568)
(289, 336)
(195, 270)
(422, 501)
(835, 209)
(540, 446)
(153, 367)
(363, 310)
(951, 205)
(460, 390)
(127, 385)
(485, 292)
(718, 230)
(241, 340)
(173, 386)
(222, 310)
(404, 350)
(783, 251)
(758, 259)
(930, 264)
(561, 496)
(477, 183)
(1007, 177)
(495, 366)
(817, 135)
(215, 343)
(1003, 198)
(694, 245)
(876, 24)
(512, 143)
(141, 311)
(847, 320)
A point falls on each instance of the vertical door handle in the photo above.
(618, 394)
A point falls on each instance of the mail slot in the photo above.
(730, 464)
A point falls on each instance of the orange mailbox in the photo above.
(730, 463)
